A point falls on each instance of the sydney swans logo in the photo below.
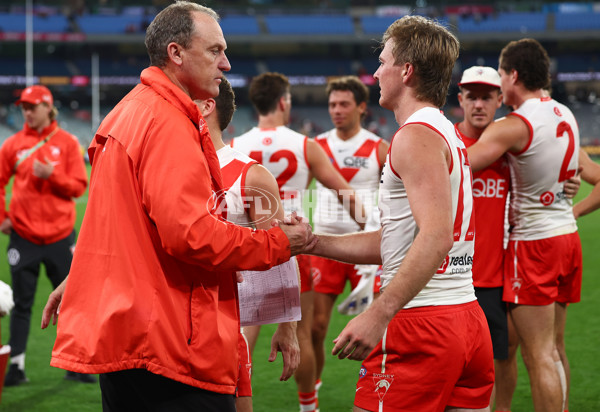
(246, 206)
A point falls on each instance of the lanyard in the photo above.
(33, 149)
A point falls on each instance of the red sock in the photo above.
(308, 401)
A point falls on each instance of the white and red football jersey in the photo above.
(357, 161)
(452, 284)
(538, 206)
(234, 167)
(283, 152)
(490, 193)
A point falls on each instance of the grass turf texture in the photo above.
(47, 390)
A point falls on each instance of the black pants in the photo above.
(139, 390)
(25, 258)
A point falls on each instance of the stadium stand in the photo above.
(504, 22)
(310, 24)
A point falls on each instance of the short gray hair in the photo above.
(173, 24)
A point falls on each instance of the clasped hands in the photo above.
(298, 232)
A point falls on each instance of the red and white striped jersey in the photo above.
(234, 167)
(357, 160)
(538, 206)
(490, 193)
(452, 284)
(283, 152)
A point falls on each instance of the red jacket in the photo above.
(42, 210)
(152, 284)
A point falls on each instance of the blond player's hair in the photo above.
(431, 49)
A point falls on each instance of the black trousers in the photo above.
(136, 390)
(25, 259)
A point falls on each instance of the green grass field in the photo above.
(47, 391)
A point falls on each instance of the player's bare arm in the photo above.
(420, 156)
(265, 206)
(357, 248)
(591, 174)
(509, 134)
(322, 169)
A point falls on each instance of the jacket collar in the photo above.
(45, 131)
(156, 79)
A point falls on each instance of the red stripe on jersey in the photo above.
(325, 146)
(231, 171)
(366, 149)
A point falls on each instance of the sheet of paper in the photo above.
(270, 296)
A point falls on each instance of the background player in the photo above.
(541, 138)
(359, 156)
(49, 173)
(291, 158)
(252, 200)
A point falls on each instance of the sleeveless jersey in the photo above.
(234, 167)
(490, 193)
(452, 284)
(357, 160)
(283, 152)
(538, 207)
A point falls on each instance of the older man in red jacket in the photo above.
(151, 300)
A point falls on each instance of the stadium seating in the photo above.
(504, 22)
(577, 21)
(49, 24)
(309, 24)
(107, 24)
(233, 25)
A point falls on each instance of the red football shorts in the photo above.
(329, 276)
(244, 384)
(544, 271)
(430, 358)
(306, 284)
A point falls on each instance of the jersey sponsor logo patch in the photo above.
(267, 141)
(362, 372)
(356, 162)
(547, 198)
(491, 188)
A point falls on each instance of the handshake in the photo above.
(298, 232)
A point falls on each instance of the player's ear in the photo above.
(206, 107)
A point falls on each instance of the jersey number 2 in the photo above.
(288, 172)
(564, 127)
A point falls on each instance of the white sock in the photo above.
(563, 382)
(19, 360)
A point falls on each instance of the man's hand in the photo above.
(360, 336)
(298, 232)
(53, 305)
(6, 226)
(571, 186)
(285, 341)
(42, 170)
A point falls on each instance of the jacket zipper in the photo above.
(190, 315)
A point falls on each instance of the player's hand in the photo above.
(53, 305)
(6, 226)
(359, 337)
(298, 232)
(571, 186)
(285, 341)
(43, 170)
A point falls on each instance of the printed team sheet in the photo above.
(270, 296)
